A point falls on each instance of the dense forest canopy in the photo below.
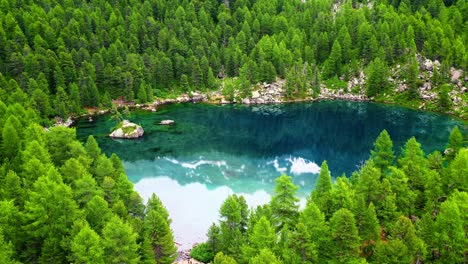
(66, 202)
(61, 55)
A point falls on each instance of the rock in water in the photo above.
(127, 129)
(167, 122)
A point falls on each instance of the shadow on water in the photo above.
(249, 139)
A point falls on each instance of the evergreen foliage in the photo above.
(59, 56)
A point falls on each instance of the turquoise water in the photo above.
(213, 151)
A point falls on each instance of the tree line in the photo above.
(406, 209)
(62, 55)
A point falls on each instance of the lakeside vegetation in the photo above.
(406, 209)
(61, 201)
(61, 56)
(65, 202)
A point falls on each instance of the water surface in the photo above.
(213, 151)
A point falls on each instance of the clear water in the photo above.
(213, 151)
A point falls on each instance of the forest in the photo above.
(62, 201)
(60, 56)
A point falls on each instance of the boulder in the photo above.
(167, 122)
(246, 101)
(127, 129)
(428, 65)
(255, 94)
(455, 75)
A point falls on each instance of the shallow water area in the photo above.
(212, 151)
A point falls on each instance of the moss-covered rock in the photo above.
(127, 129)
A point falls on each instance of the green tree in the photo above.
(321, 195)
(233, 213)
(49, 214)
(345, 236)
(404, 230)
(119, 241)
(158, 238)
(457, 175)
(284, 206)
(6, 251)
(332, 66)
(450, 236)
(11, 140)
(455, 143)
(220, 258)
(377, 81)
(382, 154)
(412, 78)
(263, 236)
(392, 252)
(444, 101)
(97, 212)
(265, 257)
(86, 247)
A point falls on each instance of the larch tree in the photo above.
(86, 247)
(345, 236)
(158, 241)
(284, 203)
(455, 143)
(382, 154)
(321, 195)
(263, 236)
(119, 241)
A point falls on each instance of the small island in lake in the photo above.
(127, 129)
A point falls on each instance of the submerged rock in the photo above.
(167, 122)
(127, 129)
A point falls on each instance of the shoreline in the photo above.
(271, 93)
(184, 98)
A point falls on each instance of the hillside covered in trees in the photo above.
(59, 56)
(406, 209)
(65, 202)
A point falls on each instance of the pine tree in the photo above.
(404, 230)
(450, 237)
(345, 236)
(455, 142)
(382, 155)
(377, 78)
(11, 140)
(86, 247)
(158, 238)
(321, 195)
(6, 251)
(284, 205)
(332, 66)
(119, 241)
(263, 236)
(265, 257)
(49, 214)
(220, 258)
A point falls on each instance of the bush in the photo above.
(202, 252)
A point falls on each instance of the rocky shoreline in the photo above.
(274, 93)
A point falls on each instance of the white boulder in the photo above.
(127, 129)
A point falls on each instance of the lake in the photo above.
(213, 151)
